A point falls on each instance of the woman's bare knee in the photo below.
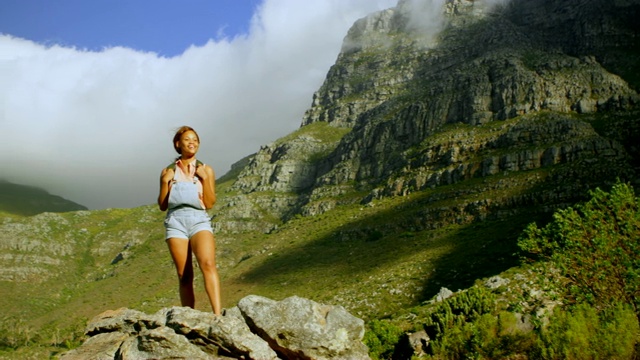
(207, 265)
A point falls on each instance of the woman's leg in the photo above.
(204, 247)
(180, 250)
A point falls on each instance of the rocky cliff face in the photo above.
(419, 101)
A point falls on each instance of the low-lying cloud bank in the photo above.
(96, 127)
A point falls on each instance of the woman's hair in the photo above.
(178, 135)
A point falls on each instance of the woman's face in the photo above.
(188, 143)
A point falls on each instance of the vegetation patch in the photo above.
(576, 300)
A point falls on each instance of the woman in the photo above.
(187, 190)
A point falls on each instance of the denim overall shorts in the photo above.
(185, 216)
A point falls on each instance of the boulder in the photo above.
(258, 328)
(298, 328)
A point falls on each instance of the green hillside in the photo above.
(29, 200)
(365, 258)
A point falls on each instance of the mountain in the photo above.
(500, 91)
(424, 155)
(28, 200)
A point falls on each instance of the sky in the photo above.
(91, 92)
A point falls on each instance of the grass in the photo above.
(321, 131)
(356, 253)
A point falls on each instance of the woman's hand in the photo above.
(167, 176)
(202, 173)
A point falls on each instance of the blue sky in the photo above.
(93, 90)
(166, 27)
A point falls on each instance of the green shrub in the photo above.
(381, 337)
(456, 311)
(498, 337)
(596, 245)
(468, 325)
(489, 336)
(585, 333)
(15, 333)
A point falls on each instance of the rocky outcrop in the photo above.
(257, 328)
(28, 255)
(38, 248)
(467, 81)
(530, 143)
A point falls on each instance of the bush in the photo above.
(469, 325)
(456, 311)
(596, 246)
(381, 337)
(497, 337)
(489, 336)
(585, 333)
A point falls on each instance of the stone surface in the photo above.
(299, 328)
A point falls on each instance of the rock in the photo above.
(161, 343)
(103, 346)
(299, 328)
(123, 320)
(443, 294)
(294, 328)
(412, 346)
(495, 282)
(229, 333)
(419, 343)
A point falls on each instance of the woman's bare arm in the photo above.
(166, 177)
(208, 178)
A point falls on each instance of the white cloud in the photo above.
(425, 16)
(96, 127)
